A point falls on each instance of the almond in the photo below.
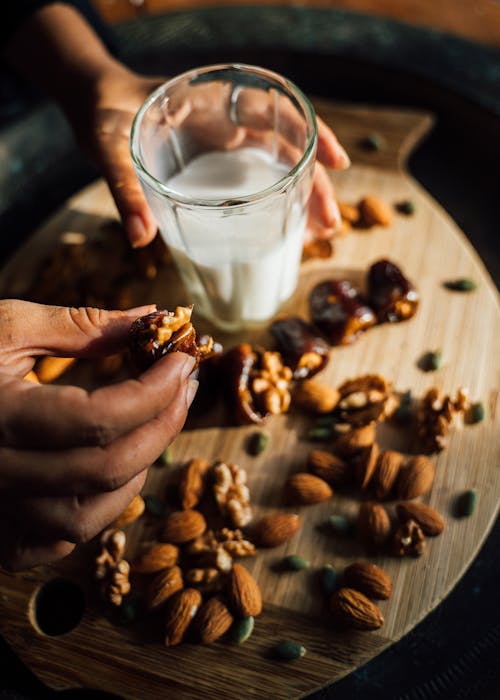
(349, 212)
(244, 594)
(429, 520)
(373, 525)
(181, 610)
(183, 526)
(192, 482)
(353, 609)
(276, 528)
(328, 467)
(355, 440)
(371, 580)
(306, 489)
(213, 620)
(156, 558)
(315, 397)
(132, 512)
(415, 478)
(162, 587)
(386, 473)
(375, 212)
(364, 465)
(51, 368)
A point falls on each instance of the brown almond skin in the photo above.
(353, 609)
(374, 525)
(156, 558)
(213, 620)
(354, 441)
(180, 612)
(415, 479)
(276, 528)
(306, 489)
(328, 467)
(365, 463)
(429, 520)
(369, 579)
(386, 473)
(245, 598)
(183, 526)
(315, 397)
(132, 512)
(374, 212)
(162, 587)
(191, 484)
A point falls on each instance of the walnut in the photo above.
(110, 567)
(231, 493)
(232, 541)
(208, 580)
(435, 415)
(366, 399)
(408, 539)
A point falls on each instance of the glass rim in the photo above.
(292, 174)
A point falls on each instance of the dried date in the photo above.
(302, 349)
(339, 311)
(393, 297)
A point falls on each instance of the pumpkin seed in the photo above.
(406, 207)
(431, 361)
(155, 506)
(319, 434)
(477, 413)
(241, 630)
(328, 577)
(258, 443)
(341, 524)
(373, 142)
(466, 504)
(463, 284)
(165, 458)
(294, 562)
(404, 411)
(288, 650)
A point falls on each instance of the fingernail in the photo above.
(136, 231)
(343, 159)
(192, 388)
(140, 310)
(188, 366)
(334, 217)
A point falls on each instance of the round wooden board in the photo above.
(465, 327)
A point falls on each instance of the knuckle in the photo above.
(79, 530)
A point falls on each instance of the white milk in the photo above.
(239, 263)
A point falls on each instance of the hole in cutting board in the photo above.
(57, 607)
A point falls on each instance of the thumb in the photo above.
(36, 329)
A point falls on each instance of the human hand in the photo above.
(72, 460)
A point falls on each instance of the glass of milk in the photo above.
(225, 155)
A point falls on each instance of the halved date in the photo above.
(393, 297)
(302, 349)
(339, 311)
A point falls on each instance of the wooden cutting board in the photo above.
(431, 249)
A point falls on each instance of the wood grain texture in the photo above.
(130, 661)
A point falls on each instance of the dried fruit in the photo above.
(156, 558)
(371, 580)
(353, 609)
(306, 489)
(374, 212)
(300, 345)
(339, 311)
(466, 504)
(242, 629)
(243, 592)
(315, 397)
(213, 620)
(393, 297)
(328, 578)
(415, 479)
(181, 609)
(231, 493)
(386, 473)
(463, 284)
(192, 482)
(294, 562)
(354, 441)
(374, 525)
(276, 528)
(183, 526)
(163, 586)
(328, 467)
(288, 650)
(132, 512)
(427, 518)
(408, 539)
(258, 443)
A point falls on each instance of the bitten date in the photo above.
(339, 311)
(302, 349)
(391, 295)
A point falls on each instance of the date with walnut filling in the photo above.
(300, 345)
(393, 297)
(162, 332)
(339, 311)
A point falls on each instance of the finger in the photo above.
(77, 519)
(26, 553)
(37, 329)
(90, 470)
(112, 154)
(330, 152)
(56, 417)
(323, 208)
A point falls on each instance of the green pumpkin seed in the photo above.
(466, 504)
(328, 577)
(461, 285)
(341, 524)
(373, 142)
(326, 421)
(288, 650)
(320, 434)
(165, 458)
(258, 443)
(431, 361)
(476, 413)
(241, 630)
(406, 207)
(294, 562)
(128, 610)
(155, 506)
